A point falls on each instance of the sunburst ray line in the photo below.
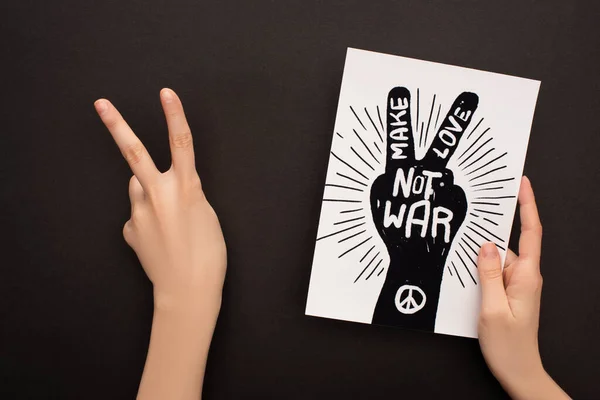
(351, 236)
(480, 157)
(469, 246)
(487, 173)
(343, 200)
(380, 121)
(488, 212)
(486, 164)
(362, 159)
(436, 127)
(356, 115)
(495, 197)
(351, 210)
(335, 185)
(492, 188)
(418, 102)
(340, 231)
(490, 182)
(487, 231)
(366, 147)
(485, 237)
(467, 255)
(485, 203)
(349, 166)
(490, 221)
(370, 262)
(377, 147)
(466, 267)
(348, 220)
(429, 120)
(474, 129)
(366, 254)
(473, 144)
(476, 151)
(373, 123)
(472, 240)
(374, 269)
(457, 274)
(352, 179)
(355, 247)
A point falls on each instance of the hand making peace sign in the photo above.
(173, 229)
(417, 210)
(177, 237)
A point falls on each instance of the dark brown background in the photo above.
(260, 82)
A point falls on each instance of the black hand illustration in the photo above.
(417, 211)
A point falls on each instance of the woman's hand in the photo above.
(510, 310)
(173, 230)
(178, 240)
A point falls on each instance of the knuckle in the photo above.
(136, 217)
(128, 232)
(196, 187)
(492, 315)
(111, 122)
(153, 190)
(537, 282)
(535, 228)
(182, 140)
(193, 189)
(491, 273)
(133, 183)
(136, 191)
(134, 153)
(195, 182)
(173, 114)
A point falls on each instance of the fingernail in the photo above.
(488, 250)
(101, 106)
(167, 95)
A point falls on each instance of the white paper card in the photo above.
(425, 167)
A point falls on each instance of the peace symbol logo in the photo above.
(410, 299)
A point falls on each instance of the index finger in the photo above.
(454, 125)
(131, 147)
(400, 142)
(530, 242)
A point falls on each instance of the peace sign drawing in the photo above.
(424, 168)
(410, 299)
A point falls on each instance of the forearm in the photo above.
(179, 344)
(539, 385)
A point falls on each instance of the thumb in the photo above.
(493, 295)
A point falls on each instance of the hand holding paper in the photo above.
(510, 310)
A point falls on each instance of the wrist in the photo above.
(182, 329)
(187, 304)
